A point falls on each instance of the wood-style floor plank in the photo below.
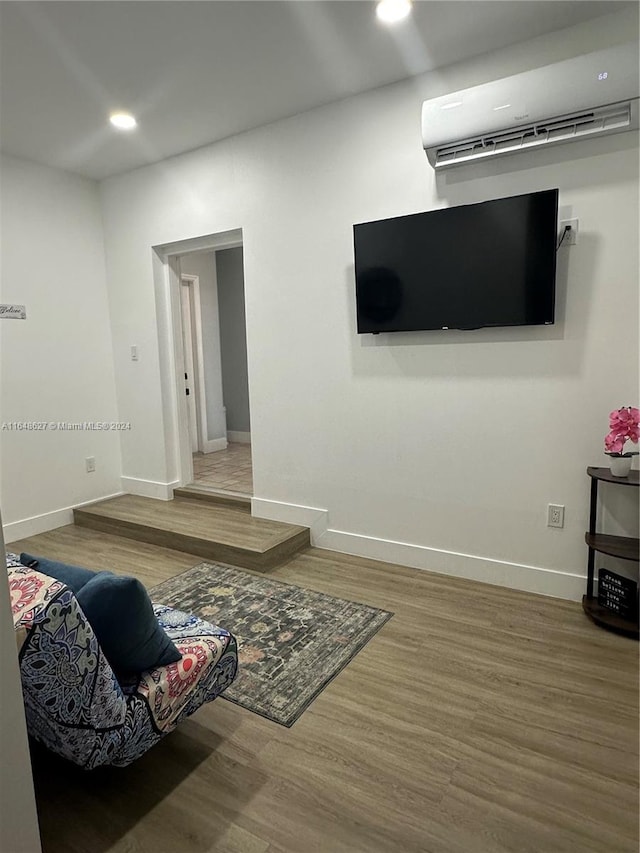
(478, 720)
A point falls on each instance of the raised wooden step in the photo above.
(215, 496)
(213, 531)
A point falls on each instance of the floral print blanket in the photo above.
(73, 701)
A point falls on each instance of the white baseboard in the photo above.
(213, 445)
(305, 516)
(483, 569)
(15, 530)
(148, 488)
(239, 437)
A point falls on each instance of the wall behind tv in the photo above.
(439, 450)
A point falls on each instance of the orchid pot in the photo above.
(619, 464)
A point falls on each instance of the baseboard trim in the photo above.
(306, 516)
(483, 569)
(148, 488)
(15, 530)
(511, 575)
(213, 445)
(239, 437)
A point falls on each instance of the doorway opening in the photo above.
(227, 470)
(213, 423)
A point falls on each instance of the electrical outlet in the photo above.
(571, 238)
(90, 462)
(555, 515)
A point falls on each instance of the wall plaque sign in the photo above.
(13, 312)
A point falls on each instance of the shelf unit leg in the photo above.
(593, 510)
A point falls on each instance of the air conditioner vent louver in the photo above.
(587, 96)
(603, 120)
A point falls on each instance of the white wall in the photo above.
(203, 264)
(57, 364)
(436, 450)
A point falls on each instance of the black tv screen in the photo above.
(467, 267)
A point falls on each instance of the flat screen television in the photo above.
(467, 267)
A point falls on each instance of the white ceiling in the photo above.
(196, 72)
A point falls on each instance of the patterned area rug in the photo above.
(292, 641)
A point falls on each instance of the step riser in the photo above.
(214, 498)
(203, 548)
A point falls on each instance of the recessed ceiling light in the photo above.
(123, 121)
(391, 11)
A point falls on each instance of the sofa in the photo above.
(74, 702)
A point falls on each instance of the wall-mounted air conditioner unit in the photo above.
(588, 96)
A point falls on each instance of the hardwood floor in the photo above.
(478, 720)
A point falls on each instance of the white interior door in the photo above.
(189, 362)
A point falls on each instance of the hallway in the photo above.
(229, 470)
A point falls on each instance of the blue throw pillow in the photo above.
(121, 615)
(120, 612)
(75, 577)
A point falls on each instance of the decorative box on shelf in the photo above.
(618, 594)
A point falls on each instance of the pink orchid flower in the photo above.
(624, 424)
(613, 443)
